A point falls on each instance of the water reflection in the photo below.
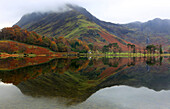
(15, 63)
(75, 80)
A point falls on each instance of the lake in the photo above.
(85, 83)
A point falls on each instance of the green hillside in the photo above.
(81, 24)
(70, 25)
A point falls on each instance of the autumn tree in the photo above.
(91, 46)
(128, 45)
(105, 49)
(151, 48)
(160, 49)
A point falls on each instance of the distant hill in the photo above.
(155, 26)
(157, 30)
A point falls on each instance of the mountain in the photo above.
(75, 23)
(157, 26)
(136, 32)
(81, 24)
(110, 27)
(157, 30)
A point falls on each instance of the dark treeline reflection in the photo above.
(78, 78)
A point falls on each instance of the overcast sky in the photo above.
(116, 11)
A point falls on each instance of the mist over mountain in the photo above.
(79, 23)
(75, 23)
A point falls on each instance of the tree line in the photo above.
(112, 47)
(149, 49)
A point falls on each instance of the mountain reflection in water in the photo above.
(76, 79)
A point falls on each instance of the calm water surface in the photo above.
(100, 83)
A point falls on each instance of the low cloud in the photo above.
(116, 11)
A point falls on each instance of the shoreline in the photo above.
(73, 54)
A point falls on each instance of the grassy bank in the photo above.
(119, 55)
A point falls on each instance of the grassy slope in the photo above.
(72, 24)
